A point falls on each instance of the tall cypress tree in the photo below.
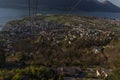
(2, 53)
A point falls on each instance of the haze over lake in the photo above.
(7, 14)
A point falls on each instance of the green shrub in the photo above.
(17, 77)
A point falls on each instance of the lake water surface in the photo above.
(7, 14)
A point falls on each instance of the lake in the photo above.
(7, 14)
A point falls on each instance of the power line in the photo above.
(29, 6)
(36, 7)
(76, 4)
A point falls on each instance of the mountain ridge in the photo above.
(81, 5)
(95, 5)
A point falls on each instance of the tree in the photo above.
(2, 59)
(2, 53)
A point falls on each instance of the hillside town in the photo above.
(65, 44)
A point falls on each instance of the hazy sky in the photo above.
(117, 2)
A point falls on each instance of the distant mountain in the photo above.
(94, 5)
(82, 5)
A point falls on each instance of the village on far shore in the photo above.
(60, 47)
